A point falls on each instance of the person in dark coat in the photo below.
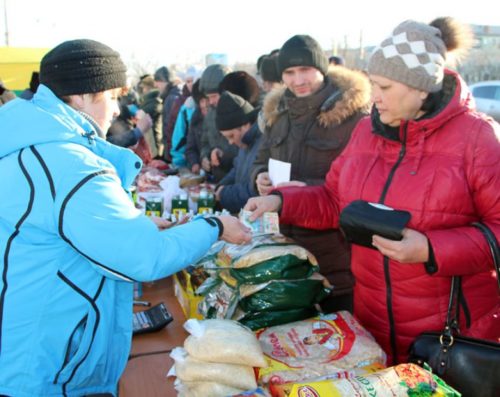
(195, 130)
(151, 103)
(236, 121)
(169, 93)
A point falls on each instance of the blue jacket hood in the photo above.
(45, 119)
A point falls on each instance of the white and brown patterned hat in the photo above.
(414, 55)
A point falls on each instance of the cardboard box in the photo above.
(184, 292)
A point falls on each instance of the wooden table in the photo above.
(149, 362)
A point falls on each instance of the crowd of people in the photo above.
(403, 133)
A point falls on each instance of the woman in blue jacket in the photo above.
(71, 241)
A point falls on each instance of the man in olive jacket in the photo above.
(308, 123)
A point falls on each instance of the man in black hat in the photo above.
(71, 239)
(308, 123)
(236, 121)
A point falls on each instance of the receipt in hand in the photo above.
(279, 171)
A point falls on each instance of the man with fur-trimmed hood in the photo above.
(308, 123)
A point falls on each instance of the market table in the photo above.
(149, 361)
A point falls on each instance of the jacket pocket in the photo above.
(80, 340)
(320, 153)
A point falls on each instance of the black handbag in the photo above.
(360, 220)
(470, 365)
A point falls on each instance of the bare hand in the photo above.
(205, 164)
(292, 183)
(215, 157)
(144, 121)
(161, 223)
(235, 232)
(259, 205)
(413, 248)
(263, 182)
(218, 192)
(195, 169)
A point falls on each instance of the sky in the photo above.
(164, 32)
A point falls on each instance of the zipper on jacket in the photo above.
(390, 314)
(387, 273)
(401, 156)
(68, 348)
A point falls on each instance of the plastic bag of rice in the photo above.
(189, 369)
(223, 341)
(316, 347)
(204, 389)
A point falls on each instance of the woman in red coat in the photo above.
(424, 150)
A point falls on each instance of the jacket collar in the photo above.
(348, 92)
(251, 135)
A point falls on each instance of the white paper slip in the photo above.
(279, 171)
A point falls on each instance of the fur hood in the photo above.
(354, 96)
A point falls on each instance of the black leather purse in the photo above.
(470, 365)
(360, 220)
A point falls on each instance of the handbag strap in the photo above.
(493, 243)
(451, 327)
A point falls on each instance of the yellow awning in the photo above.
(17, 64)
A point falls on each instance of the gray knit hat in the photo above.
(211, 78)
(414, 55)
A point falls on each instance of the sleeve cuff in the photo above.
(215, 222)
(137, 133)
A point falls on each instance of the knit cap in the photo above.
(269, 69)
(302, 50)
(211, 78)
(162, 74)
(82, 67)
(414, 55)
(232, 112)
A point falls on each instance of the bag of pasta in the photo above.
(402, 380)
(316, 347)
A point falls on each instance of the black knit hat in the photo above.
(269, 69)
(233, 112)
(82, 67)
(302, 50)
(242, 84)
(162, 74)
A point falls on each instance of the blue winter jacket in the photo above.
(179, 136)
(71, 243)
(238, 186)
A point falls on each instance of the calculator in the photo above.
(151, 320)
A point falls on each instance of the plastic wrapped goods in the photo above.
(267, 257)
(189, 369)
(316, 347)
(403, 380)
(204, 389)
(223, 341)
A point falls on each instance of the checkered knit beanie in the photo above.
(413, 55)
(82, 67)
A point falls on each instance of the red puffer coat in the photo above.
(444, 170)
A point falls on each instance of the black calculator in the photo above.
(151, 320)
